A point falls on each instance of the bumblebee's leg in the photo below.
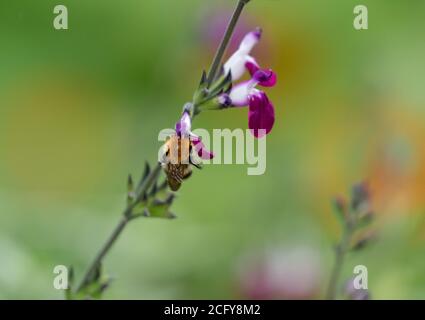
(194, 160)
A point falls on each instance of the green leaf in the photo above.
(130, 184)
(341, 209)
(130, 190)
(363, 240)
(95, 287)
(161, 208)
(221, 85)
(203, 81)
(100, 287)
(364, 220)
(146, 173)
(153, 190)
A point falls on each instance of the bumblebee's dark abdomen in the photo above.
(176, 174)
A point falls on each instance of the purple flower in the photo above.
(261, 114)
(261, 111)
(183, 130)
(265, 78)
(280, 273)
(240, 94)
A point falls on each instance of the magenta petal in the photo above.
(252, 67)
(205, 154)
(261, 114)
(265, 78)
(199, 147)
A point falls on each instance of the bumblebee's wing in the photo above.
(187, 172)
(174, 184)
(174, 176)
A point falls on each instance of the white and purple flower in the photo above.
(218, 92)
(183, 130)
(261, 114)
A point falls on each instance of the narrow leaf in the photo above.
(146, 173)
(203, 79)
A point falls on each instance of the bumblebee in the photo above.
(178, 157)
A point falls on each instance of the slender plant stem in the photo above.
(340, 252)
(147, 183)
(127, 214)
(125, 218)
(103, 251)
(225, 41)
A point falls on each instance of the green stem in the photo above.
(225, 41)
(125, 218)
(340, 253)
(103, 251)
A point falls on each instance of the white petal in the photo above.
(236, 65)
(239, 94)
(249, 41)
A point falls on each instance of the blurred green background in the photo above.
(81, 108)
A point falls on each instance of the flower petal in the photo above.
(265, 78)
(240, 93)
(237, 62)
(235, 65)
(199, 147)
(224, 100)
(250, 40)
(261, 114)
(184, 125)
(251, 65)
